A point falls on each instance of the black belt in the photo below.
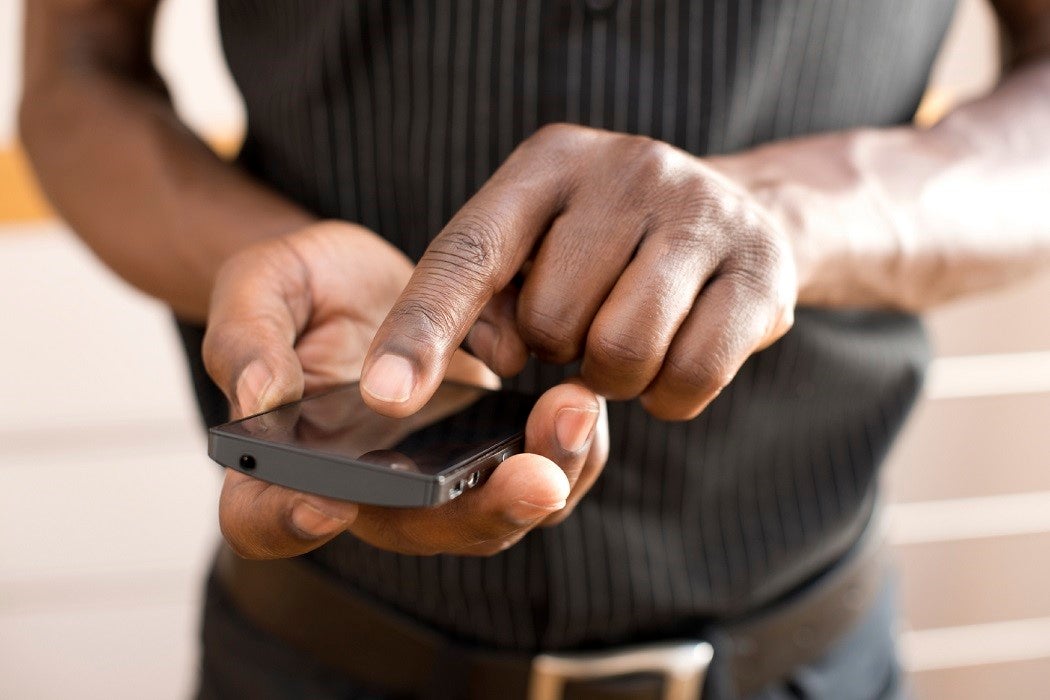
(389, 652)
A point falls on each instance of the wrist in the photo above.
(845, 228)
(765, 178)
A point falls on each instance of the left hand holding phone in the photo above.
(296, 314)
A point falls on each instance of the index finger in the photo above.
(474, 257)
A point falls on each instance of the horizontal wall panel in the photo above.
(958, 448)
(1010, 320)
(948, 584)
(1022, 680)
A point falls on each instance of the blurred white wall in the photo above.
(189, 56)
(107, 500)
(968, 64)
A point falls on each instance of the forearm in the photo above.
(146, 195)
(906, 218)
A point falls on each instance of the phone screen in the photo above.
(459, 422)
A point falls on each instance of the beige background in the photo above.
(107, 502)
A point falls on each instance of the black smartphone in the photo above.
(332, 444)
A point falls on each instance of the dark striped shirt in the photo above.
(392, 113)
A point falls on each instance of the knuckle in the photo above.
(681, 243)
(553, 160)
(564, 135)
(469, 247)
(758, 266)
(696, 375)
(555, 143)
(554, 131)
(425, 317)
(652, 179)
(751, 281)
(551, 335)
(619, 349)
(648, 158)
(775, 328)
(761, 252)
(659, 406)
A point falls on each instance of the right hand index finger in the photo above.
(473, 258)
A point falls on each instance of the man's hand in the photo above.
(643, 260)
(297, 313)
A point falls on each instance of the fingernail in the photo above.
(573, 427)
(252, 385)
(524, 512)
(311, 521)
(390, 378)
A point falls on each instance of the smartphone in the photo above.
(332, 444)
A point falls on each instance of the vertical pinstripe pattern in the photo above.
(574, 64)
(530, 94)
(438, 125)
(457, 160)
(596, 111)
(669, 108)
(623, 52)
(717, 30)
(694, 80)
(393, 112)
(643, 88)
(483, 90)
(507, 42)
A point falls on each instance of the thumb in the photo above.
(260, 387)
(257, 311)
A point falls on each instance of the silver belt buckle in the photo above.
(683, 666)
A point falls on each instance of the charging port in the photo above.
(473, 480)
